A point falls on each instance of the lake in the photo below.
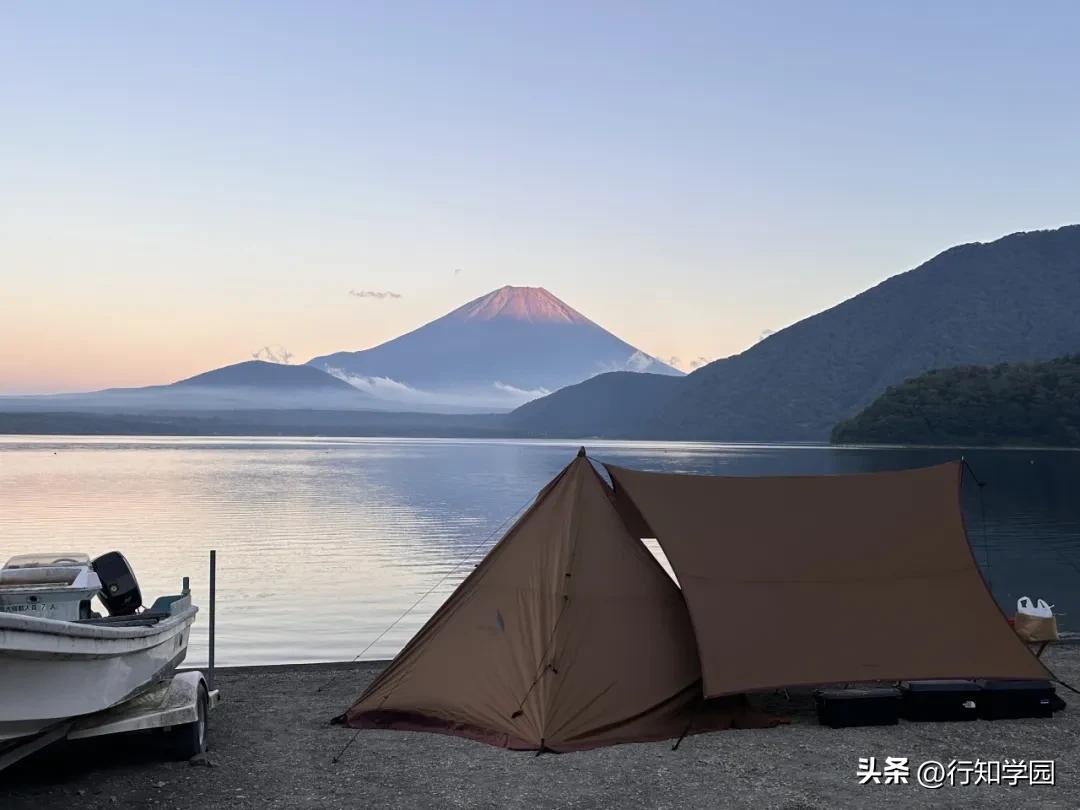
(324, 543)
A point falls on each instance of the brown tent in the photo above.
(569, 635)
(826, 579)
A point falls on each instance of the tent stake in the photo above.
(689, 723)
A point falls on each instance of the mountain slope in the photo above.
(1011, 403)
(613, 404)
(501, 349)
(1011, 300)
(251, 384)
(263, 375)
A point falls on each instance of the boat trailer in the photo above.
(181, 706)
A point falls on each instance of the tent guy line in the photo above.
(465, 558)
(468, 555)
(979, 484)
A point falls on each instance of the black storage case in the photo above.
(867, 706)
(1007, 700)
(940, 700)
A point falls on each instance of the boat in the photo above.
(61, 660)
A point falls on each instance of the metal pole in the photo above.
(213, 600)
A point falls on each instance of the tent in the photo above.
(567, 635)
(798, 580)
(570, 635)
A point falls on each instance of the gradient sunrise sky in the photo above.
(182, 183)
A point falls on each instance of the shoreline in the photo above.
(497, 436)
(1069, 639)
(273, 748)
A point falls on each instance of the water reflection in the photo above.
(323, 543)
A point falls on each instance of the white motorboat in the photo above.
(59, 660)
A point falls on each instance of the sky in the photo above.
(182, 184)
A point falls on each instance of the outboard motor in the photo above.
(119, 590)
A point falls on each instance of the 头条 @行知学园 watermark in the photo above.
(933, 774)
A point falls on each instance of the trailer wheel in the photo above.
(190, 738)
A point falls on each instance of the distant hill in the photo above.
(1010, 403)
(1011, 300)
(259, 374)
(613, 404)
(235, 421)
(498, 351)
(253, 384)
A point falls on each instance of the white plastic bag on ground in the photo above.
(1041, 609)
(1035, 622)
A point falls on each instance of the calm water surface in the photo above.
(323, 543)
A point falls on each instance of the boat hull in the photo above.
(52, 671)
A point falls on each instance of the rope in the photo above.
(545, 665)
(548, 652)
(345, 747)
(986, 542)
(689, 723)
(1067, 686)
(971, 471)
(468, 554)
(986, 552)
(982, 524)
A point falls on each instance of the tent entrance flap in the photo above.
(827, 579)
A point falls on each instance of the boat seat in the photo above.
(163, 604)
(145, 619)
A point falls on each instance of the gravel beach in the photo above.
(272, 747)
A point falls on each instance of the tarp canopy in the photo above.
(826, 579)
(567, 635)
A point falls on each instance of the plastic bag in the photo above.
(1035, 622)
(1041, 610)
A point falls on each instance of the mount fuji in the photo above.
(495, 352)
